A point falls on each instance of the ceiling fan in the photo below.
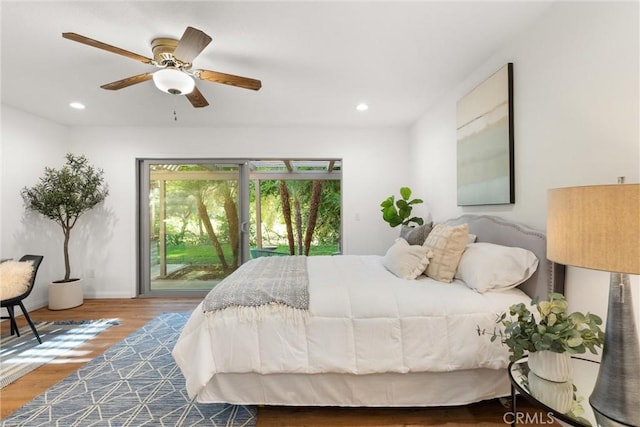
(174, 59)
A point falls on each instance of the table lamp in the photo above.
(598, 227)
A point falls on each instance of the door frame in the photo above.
(143, 250)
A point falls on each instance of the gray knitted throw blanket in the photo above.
(264, 285)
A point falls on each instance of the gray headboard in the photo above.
(549, 277)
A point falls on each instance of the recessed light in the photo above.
(362, 107)
(77, 105)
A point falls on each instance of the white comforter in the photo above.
(362, 320)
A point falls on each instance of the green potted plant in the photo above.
(398, 212)
(63, 195)
(553, 335)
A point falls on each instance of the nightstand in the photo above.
(557, 401)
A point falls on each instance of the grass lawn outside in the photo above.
(206, 254)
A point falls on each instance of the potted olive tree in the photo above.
(63, 195)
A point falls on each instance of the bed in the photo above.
(368, 337)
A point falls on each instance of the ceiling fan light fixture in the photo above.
(173, 81)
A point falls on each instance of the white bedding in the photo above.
(362, 320)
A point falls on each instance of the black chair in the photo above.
(10, 303)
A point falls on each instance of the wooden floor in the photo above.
(134, 313)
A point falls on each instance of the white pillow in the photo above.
(15, 278)
(406, 261)
(490, 267)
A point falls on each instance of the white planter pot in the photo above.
(551, 366)
(557, 396)
(65, 295)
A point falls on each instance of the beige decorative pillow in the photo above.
(447, 244)
(416, 235)
(406, 261)
(14, 278)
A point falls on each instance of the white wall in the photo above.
(29, 144)
(576, 93)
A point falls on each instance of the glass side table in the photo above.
(567, 403)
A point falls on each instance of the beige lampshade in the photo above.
(595, 227)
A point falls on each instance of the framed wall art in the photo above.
(485, 142)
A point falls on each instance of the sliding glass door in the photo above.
(194, 221)
(194, 217)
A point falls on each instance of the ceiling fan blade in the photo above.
(129, 81)
(228, 79)
(192, 42)
(95, 43)
(196, 98)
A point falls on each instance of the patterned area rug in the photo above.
(134, 383)
(21, 355)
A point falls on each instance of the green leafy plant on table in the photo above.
(553, 330)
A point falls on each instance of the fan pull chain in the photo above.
(175, 115)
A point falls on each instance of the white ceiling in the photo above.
(316, 60)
